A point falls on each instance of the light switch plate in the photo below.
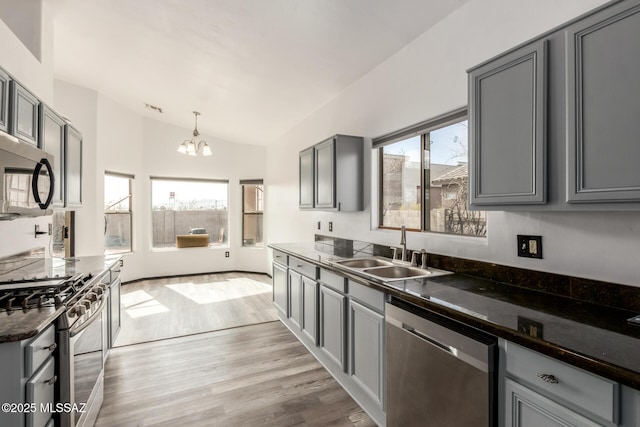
(529, 246)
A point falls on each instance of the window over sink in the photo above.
(252, 212)
(189, 212)
(424, 178)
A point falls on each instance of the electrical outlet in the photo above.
(529, 246)
(226, 254)
(319, 224)
(330, 225)
(530, 327)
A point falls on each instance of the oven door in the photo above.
(82, 380)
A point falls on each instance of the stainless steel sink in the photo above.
(385, 269)
(397, 272)
(364, 262)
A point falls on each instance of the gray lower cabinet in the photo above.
(4, 100)
(280, 286)
(295, 298)
(366, 349)
(27, 369)
(541, 391)
(310, 289)
(603, 104)
(526, 408)
(73, 167)
(333, 322)
(306, 183)
(507, 114)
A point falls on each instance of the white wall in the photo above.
(18, 235)
(423, 80)
(118, 140)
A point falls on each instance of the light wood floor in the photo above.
(258, 375)
(164, 308)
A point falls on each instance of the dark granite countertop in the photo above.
(23, 324)
(593, 337)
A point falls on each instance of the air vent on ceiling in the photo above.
(154, 108)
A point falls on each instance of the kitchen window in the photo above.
(424, 178)
(117, 213)
(252, 212)
(183, 207)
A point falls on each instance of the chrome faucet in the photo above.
(403, 241)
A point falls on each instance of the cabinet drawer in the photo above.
(333, 281)
(38, 350)
(280, 257)
(40, 389)
(581, 388)
(303, 267)
(368, 296)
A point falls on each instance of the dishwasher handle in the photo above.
(453, 342)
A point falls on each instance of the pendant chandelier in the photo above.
(192, 146)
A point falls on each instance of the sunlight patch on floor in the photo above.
(140, 304)
(208, 293)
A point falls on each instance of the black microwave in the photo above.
(27, 179)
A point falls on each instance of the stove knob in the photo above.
(71, 312)
(98, 290)
(80, 310)
(92, 297)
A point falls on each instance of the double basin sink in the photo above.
(385, 269)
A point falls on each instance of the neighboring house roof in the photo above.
(457, 173)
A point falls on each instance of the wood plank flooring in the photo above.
(164, 308)
(258, 375)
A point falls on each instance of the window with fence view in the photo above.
(117, 213)
(189, 212)
(424, 179)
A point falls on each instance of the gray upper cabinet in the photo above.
(335, 180)
(604, 101)
(325, 179)
(24, 110)
(73, 167)
(52, 141)
(306, 178)
(4, 100)
(507, 115)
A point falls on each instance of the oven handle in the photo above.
(75, 331)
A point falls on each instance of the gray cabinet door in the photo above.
(4, 100)
(52, 141)
(310, 309)
(333, 325)
(23, 113)
(325, 194)
(40, 391)
(306, 178)
(73, 167)
(507, 113)
(526, 408)
(366, 349)
(603, 58)
(280, 297)
(295, 298)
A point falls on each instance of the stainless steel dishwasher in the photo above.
(440, 372)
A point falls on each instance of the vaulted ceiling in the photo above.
(253, 68)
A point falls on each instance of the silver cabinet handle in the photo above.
(51, 347)
(52, 380)
(548, 378)
(299, 266)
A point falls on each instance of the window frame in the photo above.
(227, 241)
(422, 129)
(243, 184)
(130, 179)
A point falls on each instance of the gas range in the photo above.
(26, 295)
